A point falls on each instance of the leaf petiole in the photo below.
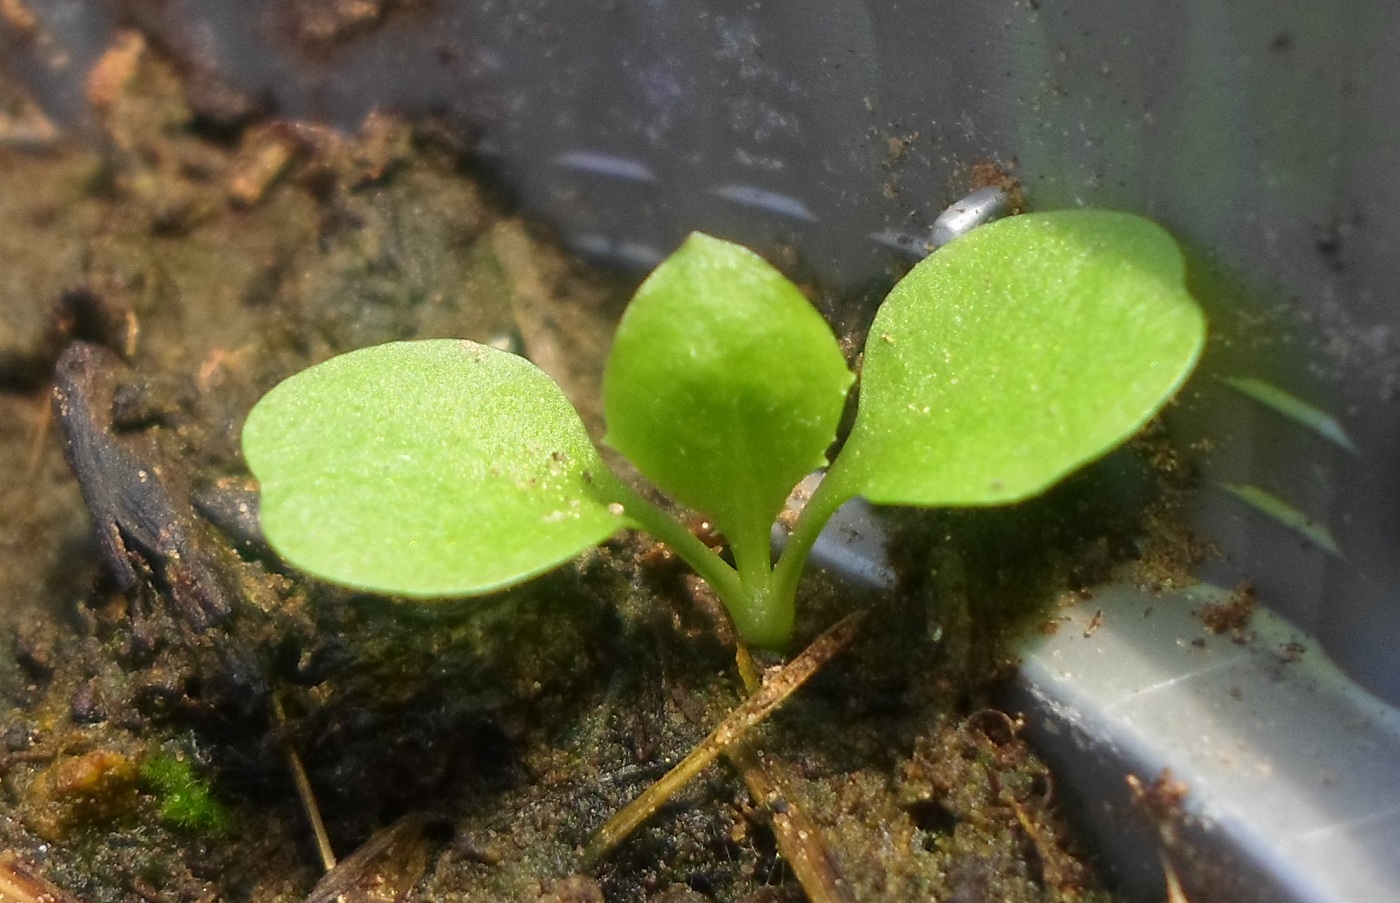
(711, 568)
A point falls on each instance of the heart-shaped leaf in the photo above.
(1018, 353)
(724, 386)
(432, 468)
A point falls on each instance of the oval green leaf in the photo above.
(725, 386)
(1017, 354)
(425, 469)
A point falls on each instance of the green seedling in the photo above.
(997, 366)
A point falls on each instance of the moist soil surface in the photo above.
(164, 678)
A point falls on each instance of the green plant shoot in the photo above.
(997, 366)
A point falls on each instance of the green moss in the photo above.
(186, 799)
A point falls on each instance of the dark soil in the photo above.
(157, 693)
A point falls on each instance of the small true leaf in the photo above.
(1018, 353)
(433, 468)
(725, 385)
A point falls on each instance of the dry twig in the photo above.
(750, 713)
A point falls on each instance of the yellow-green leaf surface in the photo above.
(724, 386)
(432, 468)
(1018, 353)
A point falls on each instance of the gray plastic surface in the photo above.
(1291, 771)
